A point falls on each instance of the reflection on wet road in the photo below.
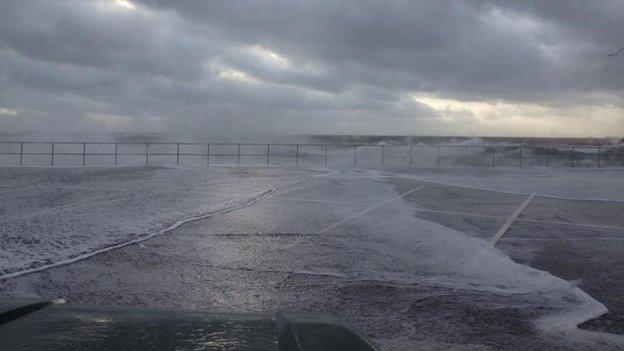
(405, 261)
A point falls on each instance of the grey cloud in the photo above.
(345, 61)
(491, 49)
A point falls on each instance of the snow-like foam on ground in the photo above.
(500, 274)
(51, 215)
(55, 214)
(446, 257)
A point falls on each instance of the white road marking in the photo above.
(474, 187)
(511, 219)
(530, 220)
(593, 238)
(301, 187)
(573, 224)
(368, 210)
(458, 213)
(319, 201)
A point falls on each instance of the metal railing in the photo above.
(363, 155)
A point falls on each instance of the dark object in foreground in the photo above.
(27, 324)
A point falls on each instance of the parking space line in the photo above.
(368, 210)
(583, 225)
(300, 188)
(511, 219)
(565, 239)
(530, 220)
(457, 213)
(320, 201)
(509, 192)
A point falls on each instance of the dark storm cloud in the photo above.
(348, 66)
(498, 49)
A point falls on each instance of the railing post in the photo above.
(146, 153)
(438, 156)
(84, 153)
(52, 156)
(411, 156)
(115, 154)
(599, 150)
(547, 155)
(383, 155)
(325, 155)
(21, 152)
(178, 154)
(268, 154)
(208, 154)
(520, 163)
(238, 156)
(573, 156)
(354, 155)
(297, 156)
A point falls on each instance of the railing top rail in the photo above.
(559, 146)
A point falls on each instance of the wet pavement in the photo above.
(578, 240)
(352, 247)
(584, 245)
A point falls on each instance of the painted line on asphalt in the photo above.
(475, 187)
(511, 219)
(458, 213)
(572, 224)
(593, 239)
(529, 220)
(277, 197)
(368, 210)
(300, 188)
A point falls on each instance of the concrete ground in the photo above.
(343, 245)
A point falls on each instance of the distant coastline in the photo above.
(303, 138)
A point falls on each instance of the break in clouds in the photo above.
(537, 68)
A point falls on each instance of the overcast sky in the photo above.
(531, 68)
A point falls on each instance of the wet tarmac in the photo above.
(345, 246)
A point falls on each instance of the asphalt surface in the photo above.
(330, 246)
(585, 245)
(578, 240)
